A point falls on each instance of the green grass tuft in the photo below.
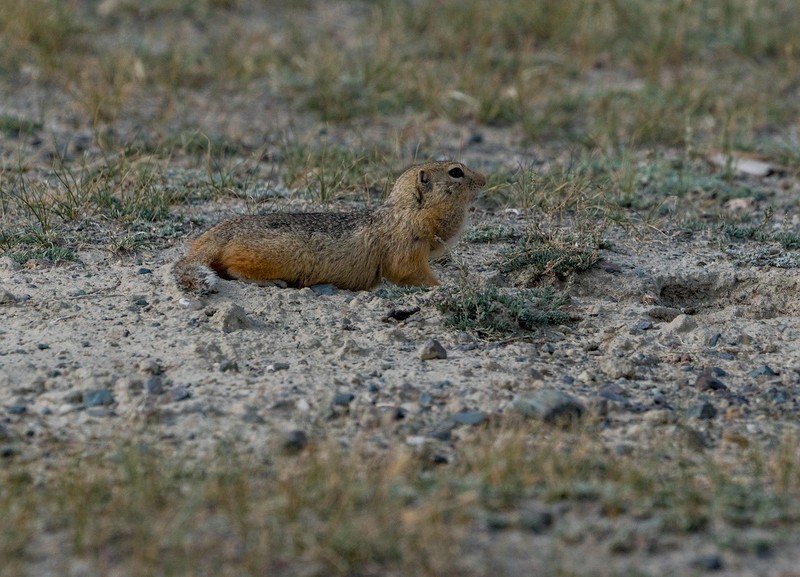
(493, 313)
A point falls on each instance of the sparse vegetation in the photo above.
(494, 313)
(333, 512)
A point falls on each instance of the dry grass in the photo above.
(328, 511)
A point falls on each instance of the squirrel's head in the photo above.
(449, 185)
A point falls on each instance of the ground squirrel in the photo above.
(420, 219)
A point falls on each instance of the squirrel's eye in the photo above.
(455, 172)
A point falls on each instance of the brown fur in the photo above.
(421, 218)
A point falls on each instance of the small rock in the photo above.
(16, 409)
(97, 397)
(614, 392)
(303, 406)
(710, 562)
(663, 313)
(191, 304)
(42, 346)
(442, 431)
(228, 366)
(143, 270)
(425, 399)
(294, 441)
(325, 289)
(706, 381)
(100, 412)
(681, 324)
(550, 405)
(150, 366)
(615, 368)
(432, 349)
(175, 394)
(415, 440)
(139, 300)
(763, 371)
(659, 417)
(154, 385)
(643, 325)
(704, 410)
(343, 399)
(275, 367)
(231, 317)
(714, 339)
(6, 298)
(7, 451)
(469, 417)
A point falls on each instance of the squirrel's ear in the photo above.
(423, 185)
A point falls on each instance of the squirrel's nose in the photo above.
(480, 179)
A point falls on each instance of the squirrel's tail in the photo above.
(194, 276)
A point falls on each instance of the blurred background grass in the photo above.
(609, 74)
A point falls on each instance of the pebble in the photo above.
(763, 371)
(615, 368)
(6, 298)
(643, 325)
(7, 451)
(550, 405)
(16, 409)
(703, 410)
(343, 399)
(97, 397)
(614, 392)
(139, 300)
(325, 289)
(294, 441)
(154, 385)
(275, 367)
(659, 417)
(710, 562)
(425, 399)
(175, 394)
(663, 313)
(143, 270)
(431, 350)
(231, 317)
(150, 366)
(415, 440)
(681, 324)
(42, 346)
(706, 381)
